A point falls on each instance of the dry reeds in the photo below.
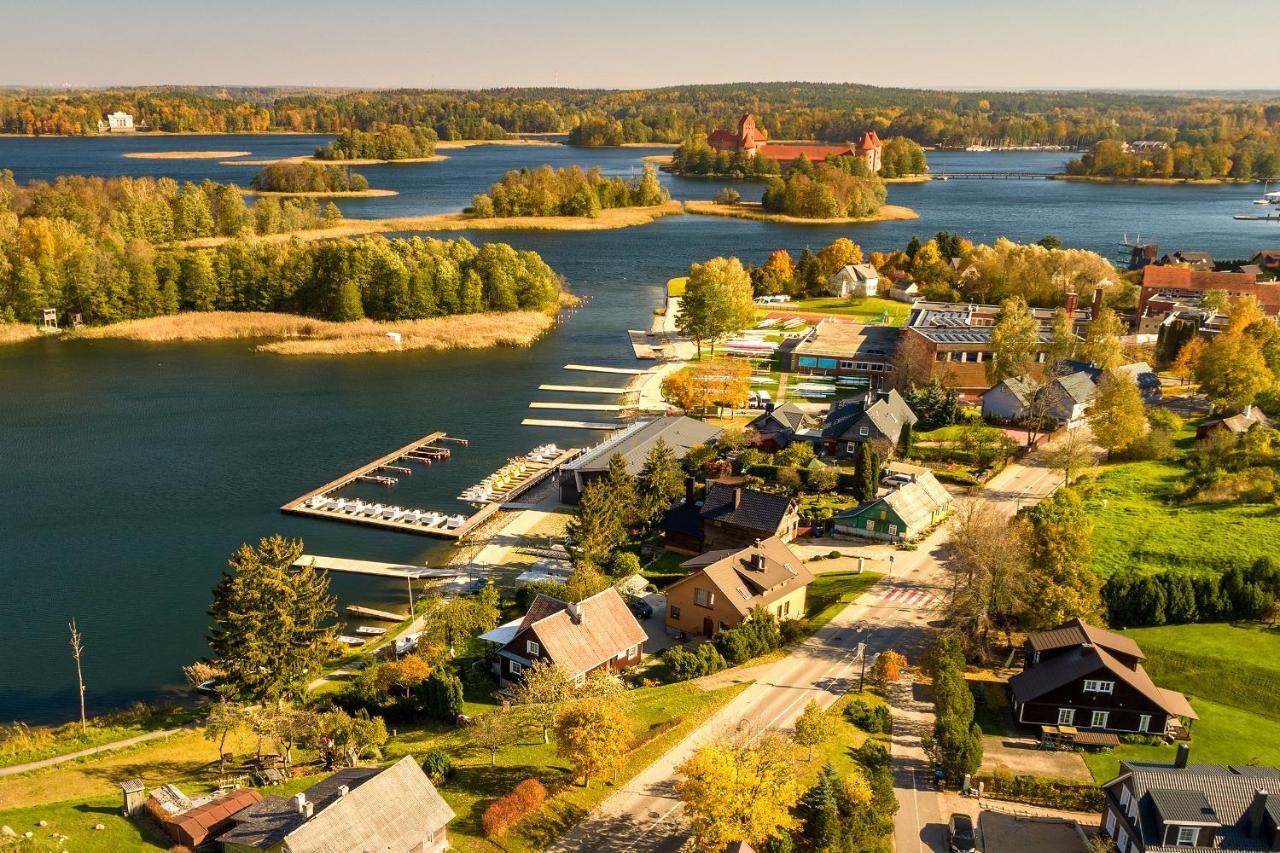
(753, 210)
(13, 333)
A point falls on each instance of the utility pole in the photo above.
(862, 655)
(77, 648)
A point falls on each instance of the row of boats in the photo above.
(502, 481)
(360, 509)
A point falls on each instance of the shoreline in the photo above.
(753, 211)
(183, 155)
(294, 334)
(310, 158)
(608, 220)
(1188, 182)
(369, 193)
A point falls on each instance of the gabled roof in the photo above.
(540, 608)
(1183, 806)
(1078, 386)
(862, 272)
(913, 502)
(746, 508)
(788, 417)
(1079, 633)
(194, 826)
(581, 637)
(635, 442)
(1023, 388)
(1181, 278)
(756, 575)
(887, 410)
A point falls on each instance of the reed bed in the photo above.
(753, 210)
(14, 333)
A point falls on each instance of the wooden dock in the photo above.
(580, 407)
(591, 368)
(586, 389)
(366, 567)
(570, 424)
(351, 476)
(371, 613)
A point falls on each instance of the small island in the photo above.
(755, 210)
(1156, 161)
(567, 192)
(309, 179)
(394, 143)
(184, 155)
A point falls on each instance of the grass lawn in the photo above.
(1140, 528)
(67, 738)
(869, 310)
(956, 432)
(833, 592)
(665, 570)
(810, 503)
(676, 286)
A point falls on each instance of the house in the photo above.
(730, 516)
(117, 122)
(394, 809)
(723, 587)
(1189, 285)
(778, 426)
(1010, 399)
(854, 280)
(903, 513)
(904, 291)
(1268, 260)
(876, 416)
(633, 443)
(863, 355)
(1156, 807)
(597, 633)
(206, 819)
(1089, 678)
(752, 140)
(1192, 260)
(1067, 397)
(1236, 425)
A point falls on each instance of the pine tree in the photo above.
(660, 484)
(866, 472)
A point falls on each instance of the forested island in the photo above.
(394, 142)
(1254, 157)
(95, 247)
(899, 157)
(820, 111)
(567, 192)
(835, 189)
(308, 178)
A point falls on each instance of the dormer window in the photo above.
(1187, 836)
(1093, 686)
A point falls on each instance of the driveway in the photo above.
(1005, 833)
(656, 625)
(1023, 756)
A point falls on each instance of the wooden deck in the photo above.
(547, 422)
(592, 368)
(586, 389)
(350, 477)
(580, 407)
(366, 567)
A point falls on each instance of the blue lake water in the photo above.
(131, 471)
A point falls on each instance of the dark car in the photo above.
(640, 607)
(960, 834)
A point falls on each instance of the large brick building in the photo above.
(752, 140)
(1179, 284)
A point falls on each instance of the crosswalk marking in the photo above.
(902, 596)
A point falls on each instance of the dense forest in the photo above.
(90, 246)
(827, 191)
(307, 178)
(830, 112)
(395, 142)
(1244, 159)
(567, 192)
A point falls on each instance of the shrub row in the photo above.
(1135, 600)
(873, 719)
(507, 811)
(1039, 791)
(685, 664)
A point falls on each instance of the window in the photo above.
(808, 361)
(580, 679)
(1099, 719)
(827, 363)
(871, 524)
(786, 607)
(852, 448)
(675, 612)
(1111, 823)
(846, 365)
(1091, 686)
(1124, 796)
(1066, 716)
(515, 668)
(1144, 723)
(703, 597)
(532, 648)
(893, 530)
(1122, 840)
(633, 651)
(864, 431)
(1187, 836)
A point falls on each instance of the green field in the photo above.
(1230, 675)
(832, 592)
(868, 310)
(1140, 528)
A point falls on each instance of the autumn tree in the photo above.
(223, 720)
(777, 275)
(1070, 454)
(1062, 338)
(592, 735)
(1188, 359)
(740, 791)
(1116, 416)
(888, 667)
(1061, 578)
(838, 255)
(543, 687)
(1102, 346)
(492, 732)
(813, 727)
(987, 556)
(1013, 340)
(680, 388)
(717, 301)
(1233, 370)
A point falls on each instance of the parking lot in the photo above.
(1004, 833)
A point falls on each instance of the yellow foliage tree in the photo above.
(814, 726)
(1188, 358)
(1117, 415)
(888, 667)
(592, 735)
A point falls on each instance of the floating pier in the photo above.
(585, 389)
(371, 613)
(367, 567)
(580, 407)
(591, 368)
(518, 475)
(641, 346)
(570, 424)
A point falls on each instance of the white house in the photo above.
(117, 122)
(855, 280)
(1010, 399)
(905, 291)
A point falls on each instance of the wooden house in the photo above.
(903, 513)
(730, 516)
(597, 633)
(723, 587)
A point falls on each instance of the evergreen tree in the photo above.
(661, 482)
(866, 472)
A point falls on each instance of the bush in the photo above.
(794, 630)
(728, 195)
(1151, 445)
(685, 664)
(1142, 740)
(1039, 791)
(765, 472)
(507, 811)
(873, 719)
(437, 764)
(441, 695)
(757, 636)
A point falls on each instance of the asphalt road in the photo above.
(646, 816)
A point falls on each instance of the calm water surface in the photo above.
(131, 471)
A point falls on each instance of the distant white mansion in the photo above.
(117, 123)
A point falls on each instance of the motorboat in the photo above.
(370, 631)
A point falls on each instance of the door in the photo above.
(708, 627)
(1066, 716)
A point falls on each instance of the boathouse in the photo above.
(633, 444)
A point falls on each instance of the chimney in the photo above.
(308, 809)
(1248, 410)
(575, 614)
(1069, 302)
(737, 498)
(768, 408)
(757, 562)
(1097, 303)
(1257, 811)
(1184, 752)
(688, 491)
(343, 790)
(300, 803)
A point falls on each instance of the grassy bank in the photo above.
(869, 310)
(22, 745)
(370, 193)
(306, 336)
(14, 333)
(832, 592)
(1192, 182)
(753, 210)
(183, 155)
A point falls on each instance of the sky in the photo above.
(995, 44)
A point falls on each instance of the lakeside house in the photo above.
(875, 416)
(117, 122)
(854, 281)
(597, 633)
(778, 426)
(730, 516)
(1180, 284)
(751, 140)
(904, 291)
(633, 444)
(1191, 260)
(394, 809)
(723, 587)
(1084, 677)
(833, 348)
(904, 513)
(1152, 807)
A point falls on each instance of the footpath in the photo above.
(16, 769)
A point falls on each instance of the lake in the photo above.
(132, 471)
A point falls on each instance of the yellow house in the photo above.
(723, 587)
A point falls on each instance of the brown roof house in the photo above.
(731, 516)
(596, 633)
(1091, 679)
(723, 587)
(633, 444)
(1236, 425)
(778, 426)
(1153, 807)
(394, 809)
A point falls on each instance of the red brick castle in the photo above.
(751, 140)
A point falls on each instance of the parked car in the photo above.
(640, 607)
(893, 481)
(960, 835)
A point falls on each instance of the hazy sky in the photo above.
(1177, 44)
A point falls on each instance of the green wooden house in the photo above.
(901, 514)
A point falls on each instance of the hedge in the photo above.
(1041, 791)
(507, 811)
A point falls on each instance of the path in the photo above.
(15, 769)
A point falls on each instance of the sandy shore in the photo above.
(753, 210)
(307, 158)
(297, 335)
(370, 193)
(473, 143)
(617, 217)
(183, 155)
